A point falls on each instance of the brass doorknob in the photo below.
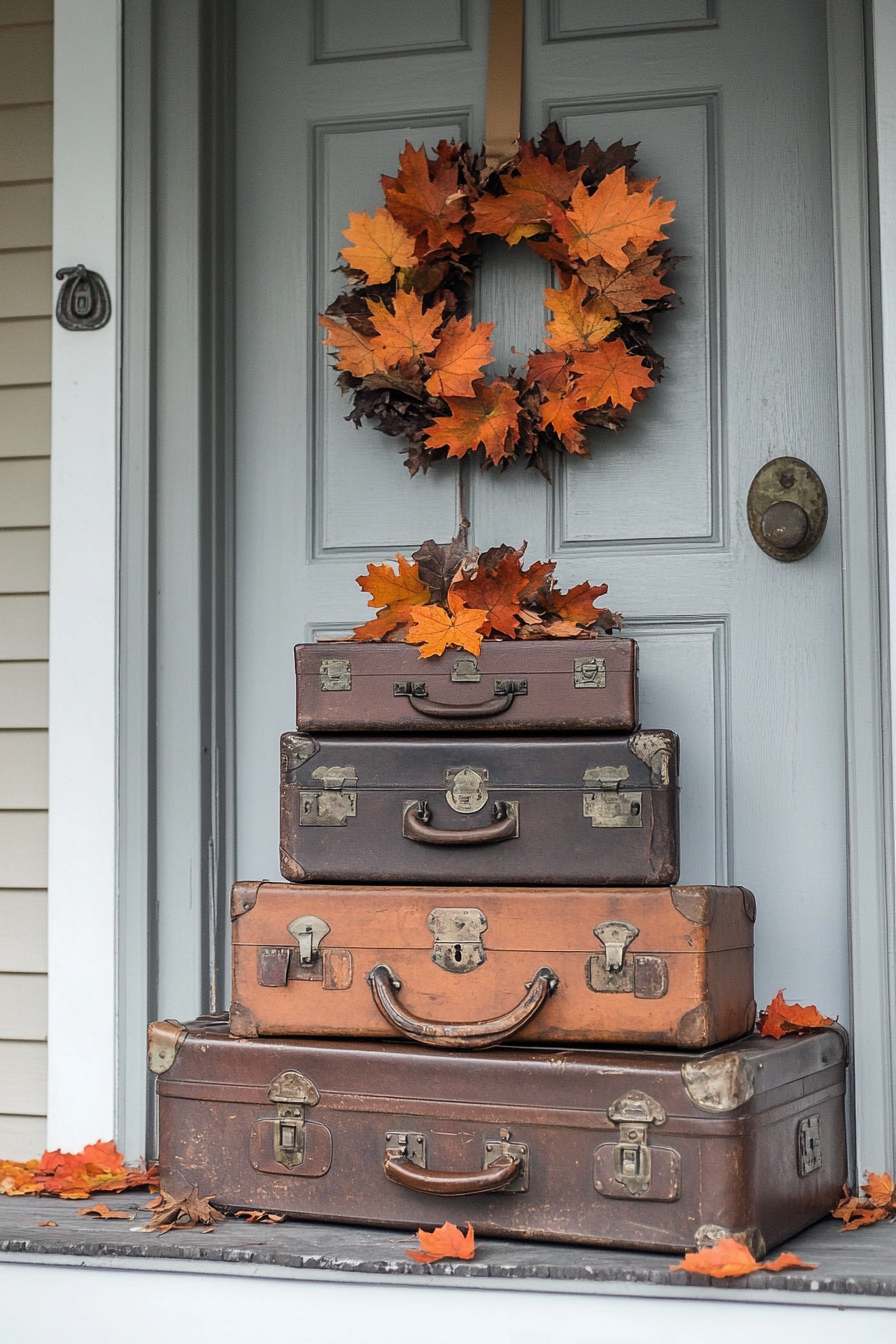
(787, 508)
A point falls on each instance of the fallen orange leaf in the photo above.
(730, 1259)
(879, 1202)
(879, 1189)
(48, 1224)
(99, 1166)
(782, 1019)
(435, 629)
(445, 1242)
(103, 1211)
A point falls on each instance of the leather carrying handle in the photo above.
(402, 1172)
(417, 826)
(459, 1035)
(484, 709)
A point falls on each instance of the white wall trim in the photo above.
(83, 588)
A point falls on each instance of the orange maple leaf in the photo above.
(550, 371)
(601, 224)
(579, 323)
(445, 1242)
(558, 412)
(497, 590)
(879, 1188)
(406, 332)
(103, 1211)
(729, 1259)
(555, 180)
(435, 629)
(396, 593)
(609, 373)
(99, 1166)
(576, 606)
(355, 351)
(781, 1019)
(459, 358)
(425, 206)
(382, 245)
(520, 214)
(489, 419)
(629, 290)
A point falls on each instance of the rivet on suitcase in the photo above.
(649, 1149)
(468, 967)
(506, 810)
(548, 685)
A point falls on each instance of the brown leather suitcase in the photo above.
(508, 810)
(650, 1149)
(468, 967)
(560, 686)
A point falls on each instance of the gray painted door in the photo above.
(739, 652)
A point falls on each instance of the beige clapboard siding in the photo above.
(23, 769)
(23, 850)
(26, 215)
(24, 492)
(26, 283)
(26, 143)
(23, 1007)
(23, 626)
(26, 11)
(24, 695)
(23, 931)
(25, 351)
(24, 421)
(24, 560)
(22, 1137)
(23, 1078)
(26, 64)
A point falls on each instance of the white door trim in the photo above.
(83, 588)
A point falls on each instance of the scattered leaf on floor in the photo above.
(103, 1211)
(445, 1242)
(183, 1214)
(730, 1259)
(877, 1201)
(98, 1167)
(259, 1216)
(48, 1224)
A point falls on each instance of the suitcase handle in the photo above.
(403, 1172)
(459, 1035)
(418, 826)
(499, 703)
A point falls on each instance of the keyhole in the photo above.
(457, 952)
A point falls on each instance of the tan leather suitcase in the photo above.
(507, 809)
(562, 686)
(612, 1147)
(468, 967)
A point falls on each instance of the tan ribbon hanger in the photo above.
(505, 81)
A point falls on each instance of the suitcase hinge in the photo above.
(612, 972)
(335, 674)
(589, 674)
(605, 802)
(809, 1146)
(457, 939)
(291, 1092)
(634, 1114)
(334, 803)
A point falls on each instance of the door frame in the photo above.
(142, 543)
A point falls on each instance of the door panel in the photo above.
(740, 654)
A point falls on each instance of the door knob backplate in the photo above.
(787, 508)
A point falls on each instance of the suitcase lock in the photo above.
(457, 938)
(291, 1092)
(605, 802)
(612, 972)
(634, 1114)
(334, 803)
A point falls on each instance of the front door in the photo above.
(739, 652)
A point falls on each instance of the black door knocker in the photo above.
(83, 303)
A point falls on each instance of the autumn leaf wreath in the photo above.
(402, 329)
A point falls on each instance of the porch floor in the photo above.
(854, 1265)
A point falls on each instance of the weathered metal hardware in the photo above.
(335, 674)
(721, 1083)
(607, 805)
(412, 1147)
(412, 688)
(496, 1149)
(511, 687)
(612, 972)
(333, 804)
(466, 791)
(505, 1167)
(634, 1114)
(787, 509)
(457, 939)
(589, 674)
(164, 1039)
(808, 1141)
(83, 303)
(291, 1092)
(465, 669)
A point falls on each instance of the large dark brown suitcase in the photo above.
(649, 1149)
(472, 966)
(509, 810)
(524, 685)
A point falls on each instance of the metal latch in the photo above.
(308, 931)
(808, 1146)
(291, 1092)
(465, 669)
(457, 939)
(511, 687)
(334, 803)
(335, 674)
(412, 1147)
(589, 673)
(634, 1114)
(414, 688)
(467, 792)
(612, 972)
(606, 804)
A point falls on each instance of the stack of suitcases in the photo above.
(479, 980)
